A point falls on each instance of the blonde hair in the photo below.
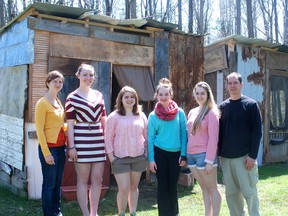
(119, 105)
(85, 66)
(164, 83)
(209, 105)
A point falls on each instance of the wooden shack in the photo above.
(49, 37)
(264, 68)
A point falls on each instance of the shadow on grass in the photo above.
(273, 170)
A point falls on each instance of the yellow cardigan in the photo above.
(48, 122)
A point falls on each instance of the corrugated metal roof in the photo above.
(252, 41)
(80, 13)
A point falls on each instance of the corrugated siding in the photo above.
(39, 69)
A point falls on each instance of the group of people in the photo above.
(228, 135)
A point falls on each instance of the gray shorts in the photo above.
(129, 164)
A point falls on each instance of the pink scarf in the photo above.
(166, 114)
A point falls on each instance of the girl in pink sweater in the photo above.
(125, 141)
(203, 129)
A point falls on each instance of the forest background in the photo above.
(216, 19)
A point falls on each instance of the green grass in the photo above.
(272, 187)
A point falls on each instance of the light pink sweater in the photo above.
(125, 135)
(206, 136)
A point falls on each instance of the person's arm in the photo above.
(70, 116)
(144, 134)
(256, 130)
(40, 119)
(151, 135)
(213, 134)
(110, 135)
(183, 135)
(71, 145)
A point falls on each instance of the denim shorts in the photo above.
(198, 160)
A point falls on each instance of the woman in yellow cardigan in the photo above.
(49, 119)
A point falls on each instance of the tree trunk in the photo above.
(2, 14)
(133, 9)
(249, 19)
(166, 14)
(127, 9)
(190, 12)
(238, 17)
(109, 7)
(285, 4)
(276, 28)
(180, 14)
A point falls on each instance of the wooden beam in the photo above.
(76, 47)
(95, 24)
(30, 12)
(92, 31)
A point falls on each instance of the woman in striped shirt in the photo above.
(86, 118)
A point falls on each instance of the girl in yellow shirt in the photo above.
(49, 120)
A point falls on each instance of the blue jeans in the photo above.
(52, 179)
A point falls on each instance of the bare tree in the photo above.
(180, 14)
(127, 9)
(267, 18)
(227, 17)
(285, 6)
(190, 16)
(166, 14)
(238, 16)
(276, 27)
(108, 5)
(249, 19)
(2, 15)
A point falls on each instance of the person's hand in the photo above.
(208, 168)
(153, 167)
(249, 162)
(50, 160)
(73, 154)
(220, 160)
(182, 162)
(111, 157)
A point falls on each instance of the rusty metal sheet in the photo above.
(186, 67)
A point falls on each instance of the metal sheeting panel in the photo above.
(253, 77)
(186, 67)
(16, 45)
(13, 87)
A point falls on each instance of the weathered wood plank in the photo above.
(100, 50)
(91, 31)
(58, 27)
(11, 140)
(121, 37)
(215, 59)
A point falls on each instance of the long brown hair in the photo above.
(119, 105)
(209, 105)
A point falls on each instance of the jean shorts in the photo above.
(198, 160)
